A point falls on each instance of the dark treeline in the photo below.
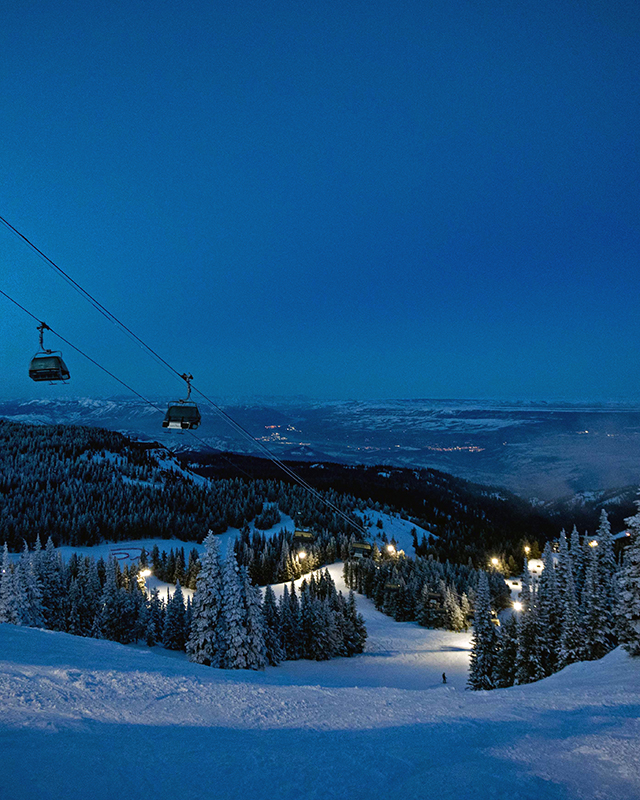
(82, 486)
(172, 566)
(432, 593)
(469, 520)
(276, 559)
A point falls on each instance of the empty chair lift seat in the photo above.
(303, 538)
(48, 367)
(182, 416)
(361, 550)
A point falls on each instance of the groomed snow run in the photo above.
(82, 718)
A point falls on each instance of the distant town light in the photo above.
(517, 606)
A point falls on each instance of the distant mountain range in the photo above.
(536, 449)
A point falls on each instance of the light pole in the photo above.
(144, 574)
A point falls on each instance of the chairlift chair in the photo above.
(47, 365)
(183, 415)
(361, 550)
(304, 538)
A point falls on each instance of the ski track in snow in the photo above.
(85, 717)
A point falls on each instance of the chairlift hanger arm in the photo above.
(42, 327)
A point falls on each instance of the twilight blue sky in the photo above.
(343, 200)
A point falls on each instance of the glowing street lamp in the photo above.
(593, 543)
(527, 549)
(391, 550)
(142, 579)
(517, 606)
(495, 561)
(302, 555)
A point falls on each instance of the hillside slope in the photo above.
(99, 717)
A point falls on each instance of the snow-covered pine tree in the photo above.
(290, 618)
(484, 649)
(607, 578)
(528, 666)
(505, 673)
(206, 640)
(173, 635)
(549, 613)
(84, 597)
(274, 652)
(8, 608)
(453, 618)
(629, 606)
(572, 636)
(32, 612)
(50, 575)
(593, 614)
(155, 619)
(254, 623)
(357, 644)
(115, 620)
(235, 650)
(18, 602)
(465, 608)
(578, 560)
(286, 569)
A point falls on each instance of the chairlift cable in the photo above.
(88, 296)
(85, 355)
(236, 425)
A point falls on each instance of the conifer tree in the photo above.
(114, 620)
(578, 561)
(235, 651)
(629, 607)
(453, 618)
(173, 635)
(254, 623)
(549, 614)
(607, 578)
(357, 643)
(593, 613)
(274, 652)
(50, 576)
(290, 616)
(484, 647)
(206, 641)
(19, 601)
(32, 612)
(507, 653)
(8, 609)
(528, 666)
(572, 636)
(155, 619)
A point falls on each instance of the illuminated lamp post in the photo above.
(142, 576)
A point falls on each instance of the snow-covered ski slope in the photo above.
(84, 718)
